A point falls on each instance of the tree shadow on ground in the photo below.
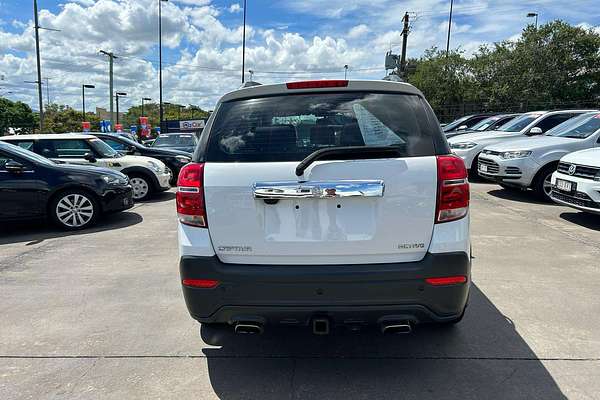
(483, 357)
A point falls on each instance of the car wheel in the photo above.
(542, 185)
(74, 209)
(141, 187)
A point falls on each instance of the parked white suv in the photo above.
(146, 175)
(576, 183)
(324, 203)
(469, 146)
(529, 163)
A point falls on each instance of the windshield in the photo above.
(484, 124)
(104, 150)
(579, 127)
(289, 128)
(519, 123)
(456, 123)
(29, 155)
(183, 140)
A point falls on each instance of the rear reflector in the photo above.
(201, 283)
(190, 195)
(317, 84)
(446, 280)
(453, 189)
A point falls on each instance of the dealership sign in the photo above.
(191, 125)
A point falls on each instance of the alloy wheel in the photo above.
(140, 187)
(548, 185)
(74, 210)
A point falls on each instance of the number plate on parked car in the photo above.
(483, 167)
(565, 186)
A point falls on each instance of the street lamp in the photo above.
(160, 112)
(144, 99)
(83, 87)
(117, 95)
(532, 15)
(244, 44)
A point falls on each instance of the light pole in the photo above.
(83, 87)
(166, 103)
(244, 44)
(39, 68)
(532, 15)
(117, 95)
(449, 28)
(160, 89)
(144, 99)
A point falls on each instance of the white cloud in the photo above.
(235, 8)
(358, 31)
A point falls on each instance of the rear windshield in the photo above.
(175, 140)
(289, 128)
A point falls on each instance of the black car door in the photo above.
(21, 191)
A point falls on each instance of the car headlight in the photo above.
(183, 159)
(114, 180)
(508, 155)
(463, 145)
(155, 167)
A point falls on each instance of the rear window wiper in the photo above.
(359, 152)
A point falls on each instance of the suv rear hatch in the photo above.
(353, 209)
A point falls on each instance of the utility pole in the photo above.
(244, 44)
(404, 41)
(449, 28)
(39, 68)
(47, 90)
(160, 85)
(111, 58)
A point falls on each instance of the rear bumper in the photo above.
(288, 294)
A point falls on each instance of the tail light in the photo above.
(200, 283)
(190, 195)
(317, 84)
(453, 189)
(446, 280)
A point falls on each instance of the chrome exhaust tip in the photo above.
(396, 328)
(248, 328)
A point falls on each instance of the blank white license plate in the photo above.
(483, 167)
(564, 185)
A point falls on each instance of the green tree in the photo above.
(62, 118)
(16, 115)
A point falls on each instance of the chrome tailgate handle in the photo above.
(318, 189)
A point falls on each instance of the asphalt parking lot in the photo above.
(99, 314)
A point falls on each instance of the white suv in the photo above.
(146, 175)
(529, 163)
(324, 203)
(469, 146)
(576, 183)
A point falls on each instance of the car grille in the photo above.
(513, 170)
(492, 167)
(581, 171)
(578, 198)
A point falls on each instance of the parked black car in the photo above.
(173, 159)
(71, 196)
(465, 122)
(176, 141)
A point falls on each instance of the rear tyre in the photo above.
(74, 209)
(541, 184)
(142, 188)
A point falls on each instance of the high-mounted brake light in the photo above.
(201, 283)
(453, 189)
(190, 195)
(446, 280)
(317, 84)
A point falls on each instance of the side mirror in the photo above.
(14, 166)
(90, 157)
(131, 150)
(536, 131)
(462, 128)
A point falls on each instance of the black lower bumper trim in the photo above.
(293, 294)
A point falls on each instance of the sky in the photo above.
(202, 42)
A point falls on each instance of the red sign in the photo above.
(86, 126)
(119, 127)
(143, 121)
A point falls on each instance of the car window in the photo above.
(25, 144)
(289, 128)
(65, 148)
(519, 123)
(456, 123)
(115, 144)
(579, 127)
(552, 121)
(484, 124)
(175, 140)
